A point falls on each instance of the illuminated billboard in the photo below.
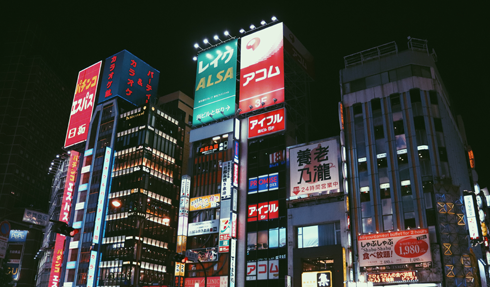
(56, 266)
(215, 91)
(398, 247)
(314, 168)
(128, 77)
(262, 69)
(267, 123)
(205, 202)
(83, 105)
(104, 182)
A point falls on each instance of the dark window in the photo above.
(398, 127)
(357, 109)
(357, 85)
(404, 72)
(433, 97)
(373, 81)
(419, 123)
(415, 95)
(438, 124)
(362, 166)
(365, 197)
(378, 132)
(376, 104)
(442, 153)
(382, 162)
(395, 100)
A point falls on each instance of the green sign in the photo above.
(214, 96)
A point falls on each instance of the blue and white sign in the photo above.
(252, 185)
(91, 269)
(273, 181)
(102, 194)
(17, 236)
(263, 183)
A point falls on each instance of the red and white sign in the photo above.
(274, 269)
(83, 105)
(218, 281)
(267, 123)
(401, 247)
(252, 213)
(262, 270)
(71, 175)
(233, 225)
(263, 211)
(235, 175)
(262, 69)
(251, 271)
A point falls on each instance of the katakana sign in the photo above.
(262, 69)
(83, 105)
(400, 247)
(128, 77)
(215, 91)
(267, 123)
(314, 168)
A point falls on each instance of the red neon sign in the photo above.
(267, 123)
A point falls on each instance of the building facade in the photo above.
(407, 169)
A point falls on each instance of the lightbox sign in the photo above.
(316, 279)
(471, 217)
(393, 277)
(262, 69)
(35, 217)
(262, 270)
(205, 202)
(215, 91)
(314, 168)
(83, 105)
(263, 211)
(263, 183)
(102, 194)
(14, 270)
(59, 246)
(91, 269)
(128, 77)
(226, 180)
(224, 235)
(17, 236)
(400, 247)
(204, 227)
(266, 123)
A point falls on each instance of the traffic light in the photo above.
(179, 257)
(63, 228)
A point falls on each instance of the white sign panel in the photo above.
(102, 194)
(205, 227)
(401, 247)
(251, 271)
(226, 180)
(262, 270)
(91, 269)
(314, 168)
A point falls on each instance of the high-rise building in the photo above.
(407, 169)
(124, 195)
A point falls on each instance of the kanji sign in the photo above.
(316, 279)
(262, 69)
(128, 77)
(205, 202)
(267, 123)
(314, 168)
(203, 227)
(83, 105)
(408, 276)
(215, 83)
(401, 247)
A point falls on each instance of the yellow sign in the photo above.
(205, 202)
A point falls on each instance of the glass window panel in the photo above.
(366, 209)
(310, 236)
(387, 206)
(388, 222)
(367, 225)
(273, 238)
(282, 237)
(407, 203)
(404, 72)
(263, 240)
(326, 234)
(401, 142)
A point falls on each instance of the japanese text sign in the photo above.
(215, 91)
(226, 180)
(401, 247)
(224, 235)
(267, 123)
(91, 268)
(205, 202)
(83, 105)
(203, 227)
(316, 279)
(128, 77)
(102, 194)
(314, 168)
(263, 211)
(409, 276)
(262, 270)
(56, 265)
(262, 69)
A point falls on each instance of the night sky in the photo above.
(163, 34)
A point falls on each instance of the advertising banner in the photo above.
(59, 246)
(14, 269)
(209, 254)
(224, 235)
(215, 92)
(393, 277)
(204, 227)
(232, 262)
(219, 281)
(17, 236)
(316, 279)
(205, 202)
(128, 77)
(263, 211)
(471, 217)
(252, 185)
(314, 168)
(266, 123)
(102, 194)
(35, 217)
(400, 247)
(83, 105)
(262, 69)
(91, 268)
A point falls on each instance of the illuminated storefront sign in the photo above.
(102, 194)
(17, 236)
(220, 281)
(267, 123)
(398, 247)
(232, 262)
(215, 83)
(83, 105)
(205, 202)
(236, 150)
(91, 269)
(277, 158)
(262, 270)
(263, 183)
(314, 168)
(183, 214)
(252, 185)
(263, 211)
(59, 245)
(235, 174)
(35, 217)
(204, 227)
(393, 277)
(471, 217)
(262, 69)
(128, 77)
(316, 279)
(226, 180)
(224, 235)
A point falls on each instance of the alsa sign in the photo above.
(267, 123)
(83, 105)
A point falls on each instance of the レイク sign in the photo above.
(83, 105)
(399, 247)
(267, 123)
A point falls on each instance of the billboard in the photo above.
(400, 247)
(262, 69)
(215, 91)
(128, 77)
(83, 105)
(71, 174)
(205, 202)
(35, 217)
(267, 123)
(314, 168)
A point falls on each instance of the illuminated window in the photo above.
(319, 235)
